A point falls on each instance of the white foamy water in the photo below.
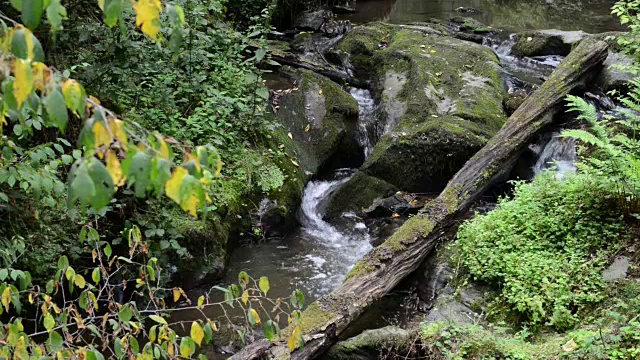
(366, 119)
(558, 153)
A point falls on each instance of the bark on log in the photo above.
(287, 58)
(379, 271)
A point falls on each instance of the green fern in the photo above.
(615, 155)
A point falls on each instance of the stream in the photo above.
(316, 257)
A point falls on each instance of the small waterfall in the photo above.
(558, 153)
(366, 119)
(315, 194)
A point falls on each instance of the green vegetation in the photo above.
(544, 251)
(546, 248)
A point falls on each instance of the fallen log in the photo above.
(380, 270)
(341, 77)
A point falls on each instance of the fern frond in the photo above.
(587, 112)
(584, 136)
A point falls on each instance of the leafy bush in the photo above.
(545, 248)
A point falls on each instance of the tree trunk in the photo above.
(380, 270)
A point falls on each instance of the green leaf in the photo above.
(3, 274)
(264, 285)
(56, 108)
(187, 347)
(125, 313)
(107, 250)
(135, 347)
(55, 14)
(49, 322)
(24, 45)
(158, 319)
(243, 278)
(112, 12)
(17, 4)
(63, 263)
(91, 183)
(32, 13)
(269, 330)
(95, 275)
(139, 173)
(54, 344)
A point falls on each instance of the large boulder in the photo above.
(547, 42)
(440, 101)
(320, 118)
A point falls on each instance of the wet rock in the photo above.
(344, 9)
(399, 204)
(466, 305)
(312, 20)
(321, 21)
(440, 101)
(373, 344)
(472, 25)
(617, 270)
(435, 276)
(514, 99)
(358, 193)
(320, 118)
(467, 10)
(547, 42)
(614, 78)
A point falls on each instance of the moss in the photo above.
(359, 269)
(321, 117)
(358, 193)
(449, 106)
(415, 228)
(314, 318)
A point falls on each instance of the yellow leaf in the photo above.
(101, 4)
(245, 297)
(101, 135)
(74, 96)
(114, 168)
(40, 75)
(191, 205)
(23, 83)
(201, 301)
(118, 132)
(171, 350)
(294, 338)
(255, 316)
(197, 333)
(176, 294)
(191, 157)
(30, 298)
(79, 281)
(3, 120)
(6, 298)
(290, 136)
(148, 17)
(308, 128)
(172, 186)
(164, 148)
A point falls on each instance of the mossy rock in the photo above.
(441, 98)
(207, 241)
(358, 193)
(547, 42)
(321, 118)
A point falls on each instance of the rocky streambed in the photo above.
(379, 117)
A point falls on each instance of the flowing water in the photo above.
(558, 153)
(592, 16)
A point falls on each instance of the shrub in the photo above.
(545, 248)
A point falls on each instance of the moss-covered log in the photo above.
(379, 271)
